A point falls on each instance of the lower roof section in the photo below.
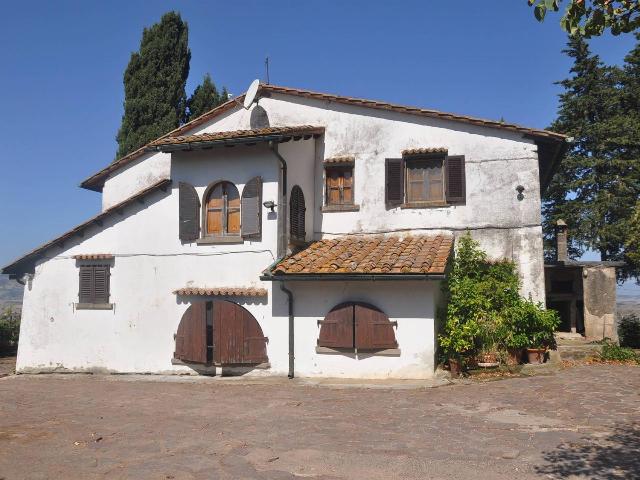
(359, 257)
(222, 291)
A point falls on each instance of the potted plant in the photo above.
(538, 325)
(457, 342)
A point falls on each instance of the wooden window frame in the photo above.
(224, 237)
(339, 207)
(408, 161)
(92, 304)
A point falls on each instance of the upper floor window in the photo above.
(227, 217)
(339, 188)
(425, 180)
(222, 210)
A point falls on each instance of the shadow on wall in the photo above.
(613, 457)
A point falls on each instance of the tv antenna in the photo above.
(266, 68)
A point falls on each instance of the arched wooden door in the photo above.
(220, 332)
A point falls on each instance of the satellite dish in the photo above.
(252, 91)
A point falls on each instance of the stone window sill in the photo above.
(340, 208)
(437, 204)
(94, 306)
(219, 240)
(389, 352)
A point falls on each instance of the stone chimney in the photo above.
(562, 249)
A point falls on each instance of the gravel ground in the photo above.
(583, 422)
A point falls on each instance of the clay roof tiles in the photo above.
(294, 131)
(222, 291)
(411, 254)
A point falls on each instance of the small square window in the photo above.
(94, 286)
(339, 185)
(424, 180)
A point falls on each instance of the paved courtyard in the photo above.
(584, 421)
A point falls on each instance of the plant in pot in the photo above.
(457, 342)
(488, 328)
(538, 325)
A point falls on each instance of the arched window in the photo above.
(296, 214)
(222, 210)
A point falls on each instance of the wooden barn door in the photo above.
(191, 338)
(237, 336)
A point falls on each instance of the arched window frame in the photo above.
(205, 203)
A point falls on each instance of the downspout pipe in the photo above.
(291, 329)
(282, 202)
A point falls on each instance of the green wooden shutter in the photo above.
(85, 292)
(100, 284)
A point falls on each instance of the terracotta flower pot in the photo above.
(455, 367)
(515, 356)
(490, 357)
(536, 355)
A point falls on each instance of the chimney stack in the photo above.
(562, 249)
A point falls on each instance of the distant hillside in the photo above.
(10, 291)
(629, 298)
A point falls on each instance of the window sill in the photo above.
(425, 205)
(94, 306)
(388, 352)
(340, 208)
(219, 240)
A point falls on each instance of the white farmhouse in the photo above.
(307, 236)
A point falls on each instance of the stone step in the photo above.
(578, 352)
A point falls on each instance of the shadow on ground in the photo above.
(612, 457)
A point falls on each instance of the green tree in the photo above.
(592, 17)
(598, 179)
(205, 97)
(154, 84)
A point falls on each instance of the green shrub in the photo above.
(484, 309)
(9, 329)
(629, 331)
(612, 351)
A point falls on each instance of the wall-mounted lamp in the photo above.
(269, 204)
(520, 189)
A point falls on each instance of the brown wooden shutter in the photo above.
(455, 179)
(100, 284)
(255, 343)
(189, 212)
(336, 330)
(297, 214)
(251, 208)
(191, 338)
(85, 292)
(374, 331)
(394, 178)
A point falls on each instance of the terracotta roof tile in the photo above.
(340, 159)
(294, 131)
(223, 291)
(422, 151)
(93, 256)
(419, 254)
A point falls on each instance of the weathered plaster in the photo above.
(599, 284)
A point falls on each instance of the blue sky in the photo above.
(62, 64)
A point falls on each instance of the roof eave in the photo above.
(370, 277)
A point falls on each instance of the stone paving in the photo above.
(583, 422)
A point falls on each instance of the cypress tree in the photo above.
(154, 84)
(596, 185)
(205, 97)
